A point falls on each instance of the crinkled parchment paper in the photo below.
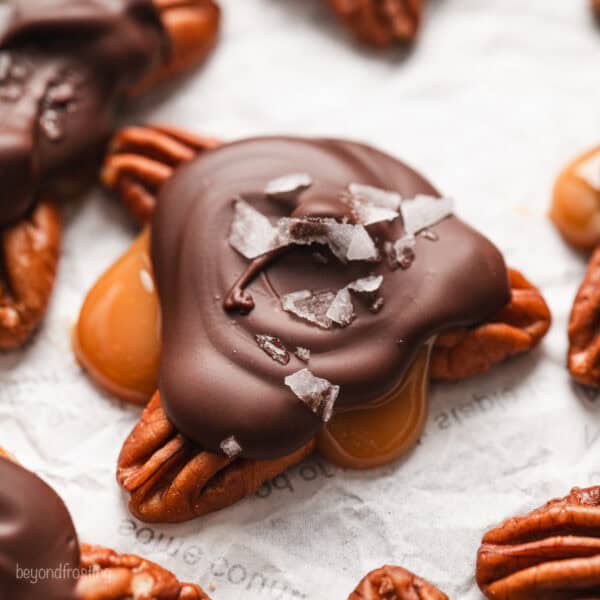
(494, 99)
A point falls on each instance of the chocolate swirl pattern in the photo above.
(64, 65)
(217, 384)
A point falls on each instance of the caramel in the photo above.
(371, 437)
(117, 338)
(576, 203)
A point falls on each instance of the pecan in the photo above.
(141, 159)
(583, 357)
(192, 27)
(551, 553)
(596, 8)
(31, 250)
(111, 576)
(395, 583)
(518, 327)
(172, 479)
(380, 22)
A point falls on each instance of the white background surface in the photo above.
(494, 99)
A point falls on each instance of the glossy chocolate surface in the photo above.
(215, 380)
(37, 539)
(64, 65)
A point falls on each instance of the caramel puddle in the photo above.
(371, 437)
(117, 340)
(117, 337)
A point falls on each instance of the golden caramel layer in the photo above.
(576, 202)
(117, 338)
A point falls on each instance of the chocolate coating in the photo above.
(36, 533)
(215, 381)
(64, 65)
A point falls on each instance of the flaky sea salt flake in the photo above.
(230, 447)
(366, 285)
(424, 211)
(294, 182)
(310, 306)
(341, 310)
(273, 347)
(367, 194)
(404, 250)
(251, 232)
(302, 353)
(317, 393)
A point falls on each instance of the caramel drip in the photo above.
(374, 436)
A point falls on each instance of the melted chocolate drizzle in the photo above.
(215, 381)
(37, 536)
(64, 67)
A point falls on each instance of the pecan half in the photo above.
(518, 327)
(30, 252)
(192, 27)
(171, 479)
(111, 576)
(395, 583)
(380, 22)
(583, 358)
(551, 553)
(596, 8)
(141, 159)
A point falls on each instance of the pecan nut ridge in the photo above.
(380, 23)
(517, 328)
(141, 159)
(583, 358)
(30, 253)
(171, 479)
(112, 576)
(551, 553)
(395, 583)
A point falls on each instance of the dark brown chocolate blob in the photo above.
(39, 551)
(215, 381)
(64, 66)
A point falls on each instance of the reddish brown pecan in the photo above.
(395, 583)
(552, 553)
(517, 328)
(583, 358)
(380, 22)
(192, 27)
(141, 159)
(596, 8)
(111, 576)
(30, 252)
(172, 479)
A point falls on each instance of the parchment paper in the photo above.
(494, 99)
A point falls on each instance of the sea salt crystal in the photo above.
(404, 251)
(589, 171)
(302, 353)
(273, 347)
(376, 196)
(366, 285)
(373, 205)
(310, 306)
(424, 211)
(251, 232)
(317, 393)
(294, 182)
(346, 241)
(341, 310)
(230, 447)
